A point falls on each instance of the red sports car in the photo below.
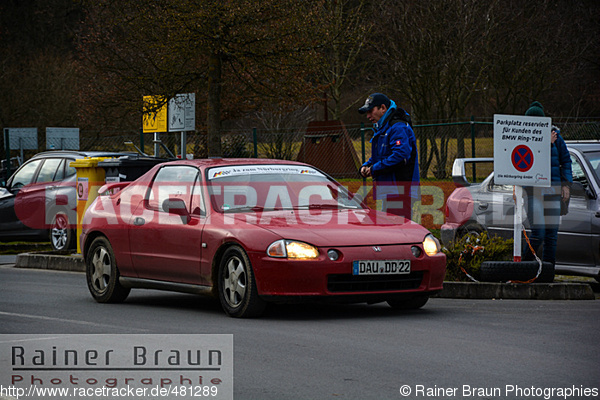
(253, 231)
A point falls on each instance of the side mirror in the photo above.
(177, 206)
(335, 194)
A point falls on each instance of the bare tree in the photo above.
(430, 57)
(281, 130)
(550, 42)
(234, 52)
(37, 68)
(348, 32)
(446, 56)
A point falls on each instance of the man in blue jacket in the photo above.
(394, 163)
(544, 204)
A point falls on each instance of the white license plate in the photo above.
(380, 267)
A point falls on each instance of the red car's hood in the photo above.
(342, 228)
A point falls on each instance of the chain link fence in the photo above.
(331, 146)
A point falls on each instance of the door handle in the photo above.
(139, 221)
(597, 214)
(483, 206)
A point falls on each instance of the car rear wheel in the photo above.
(237, 287)
(61, 236)
(470, 229)
(102, 273)
(408, 304)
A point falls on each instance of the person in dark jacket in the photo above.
(544, 204)
(394, 163)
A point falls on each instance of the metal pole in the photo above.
(156, 145)
(518, 219)
(183, 145)
(362, 141)
(473, 147)
(142, 140)
(255, 142)
(7, 148)
(362, 145)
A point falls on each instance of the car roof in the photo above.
(218, 162)
(584, 145)
(77, 153)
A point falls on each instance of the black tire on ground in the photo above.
(61, 235)
(408, 304)
(237, 288)
(102, 274)
(504, 271)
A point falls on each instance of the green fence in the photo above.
(337, 149)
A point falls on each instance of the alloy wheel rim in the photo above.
(59, 233)
(234, 282)
(101, 269)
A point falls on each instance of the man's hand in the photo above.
(365, 171)
(566, 192)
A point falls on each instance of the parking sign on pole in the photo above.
(522, 150)
(521, 158)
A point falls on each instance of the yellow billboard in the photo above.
(154, 117)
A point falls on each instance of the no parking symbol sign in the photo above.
(522, 150)
(522, 158)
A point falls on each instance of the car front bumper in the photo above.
(324, 277)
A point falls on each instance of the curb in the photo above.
(72, 263)
(528, 291)
(7, 259)
(452, 290)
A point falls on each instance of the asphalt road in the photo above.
(341, 352)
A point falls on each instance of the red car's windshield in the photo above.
(274, 187)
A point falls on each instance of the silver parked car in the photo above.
(487, 206)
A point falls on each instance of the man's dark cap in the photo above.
(375, 100)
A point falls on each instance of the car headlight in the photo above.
(431, 245)
(292, 249)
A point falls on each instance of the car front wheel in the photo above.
(102, 273)
(237, 287)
